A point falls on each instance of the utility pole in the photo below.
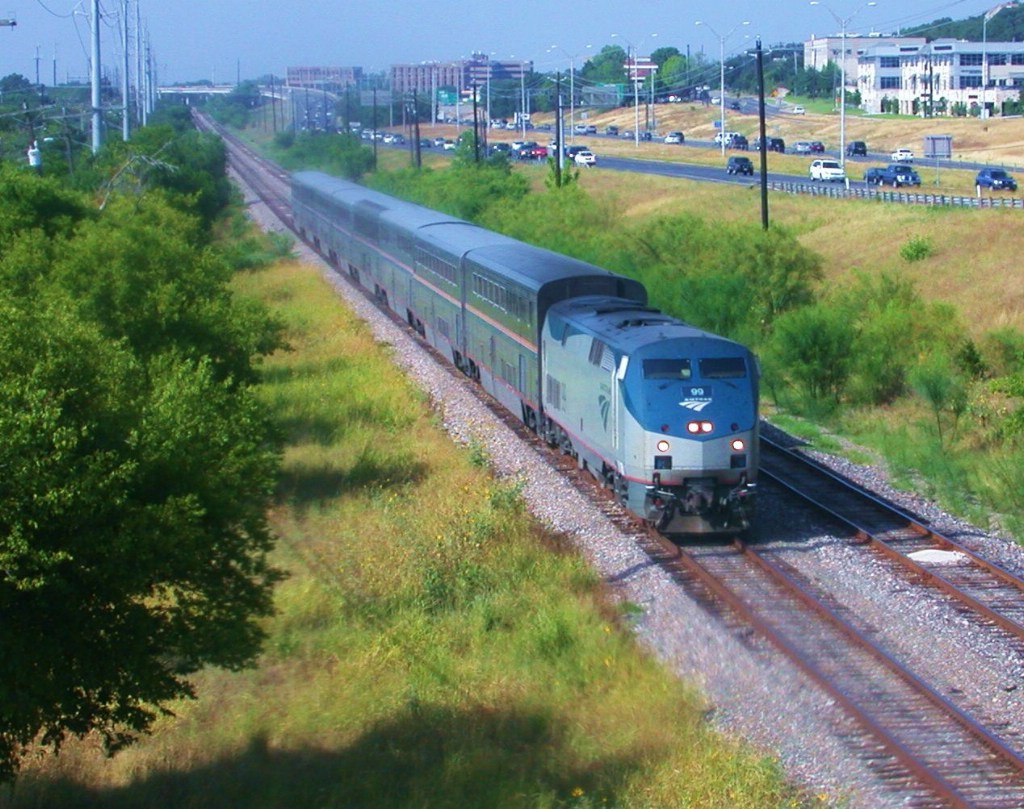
(125, 84)
(97, 112)
(476, 129)
(140, 107)
(763, 149)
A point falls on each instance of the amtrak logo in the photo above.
(605, 404)
(695, 406)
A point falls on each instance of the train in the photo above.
(663, 414)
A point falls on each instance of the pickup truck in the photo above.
(895, 174)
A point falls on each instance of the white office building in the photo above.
(944, 76)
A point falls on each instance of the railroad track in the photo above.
(927, 749)
(983, 588)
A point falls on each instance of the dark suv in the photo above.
(739, 165)
(771, 145)
(996, 179)
(856, 147)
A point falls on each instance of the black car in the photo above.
(739, 165)
(856, 147)
(996, 179)
(739, 142)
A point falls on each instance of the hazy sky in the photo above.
(222, 39)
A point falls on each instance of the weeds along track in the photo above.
(928, 750)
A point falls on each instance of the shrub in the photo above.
(917, 248)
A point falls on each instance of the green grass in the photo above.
(432, 646)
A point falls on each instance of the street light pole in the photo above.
(843, 22)
(984, 54)
(721, 81)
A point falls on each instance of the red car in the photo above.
(817, 146)
(533, 153)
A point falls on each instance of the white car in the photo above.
(802, 147)
(448, 145)
(585, 158)
(798, 110)
(827, 171)
(725, 136)
(674, 137)
(902, 156)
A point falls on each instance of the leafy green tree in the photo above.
(781, 271)
(142, 273)
(812, 347)
(606, 67)
(35, 203)
(935, 380)
(893, 327)
(465, 190)
(133, 539)
(342, 154)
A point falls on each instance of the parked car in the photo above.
(802, 147)
(902, 155)
(817, 147)
(739, 165)
(675, 137)
(996, 179)
(827, 171)
(856, 147)
(895, 174)
(585, 158)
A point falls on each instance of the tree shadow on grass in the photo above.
(316, 484)
(432, 757)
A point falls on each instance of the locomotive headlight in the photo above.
(738, 445)
(663, 446)
(695, 427)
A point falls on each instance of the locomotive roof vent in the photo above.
(634, 323)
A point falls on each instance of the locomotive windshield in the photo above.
(723, 368)
(709, 367)
(667, 369)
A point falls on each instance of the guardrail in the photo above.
(838, 190)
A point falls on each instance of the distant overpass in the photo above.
(194, 91)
